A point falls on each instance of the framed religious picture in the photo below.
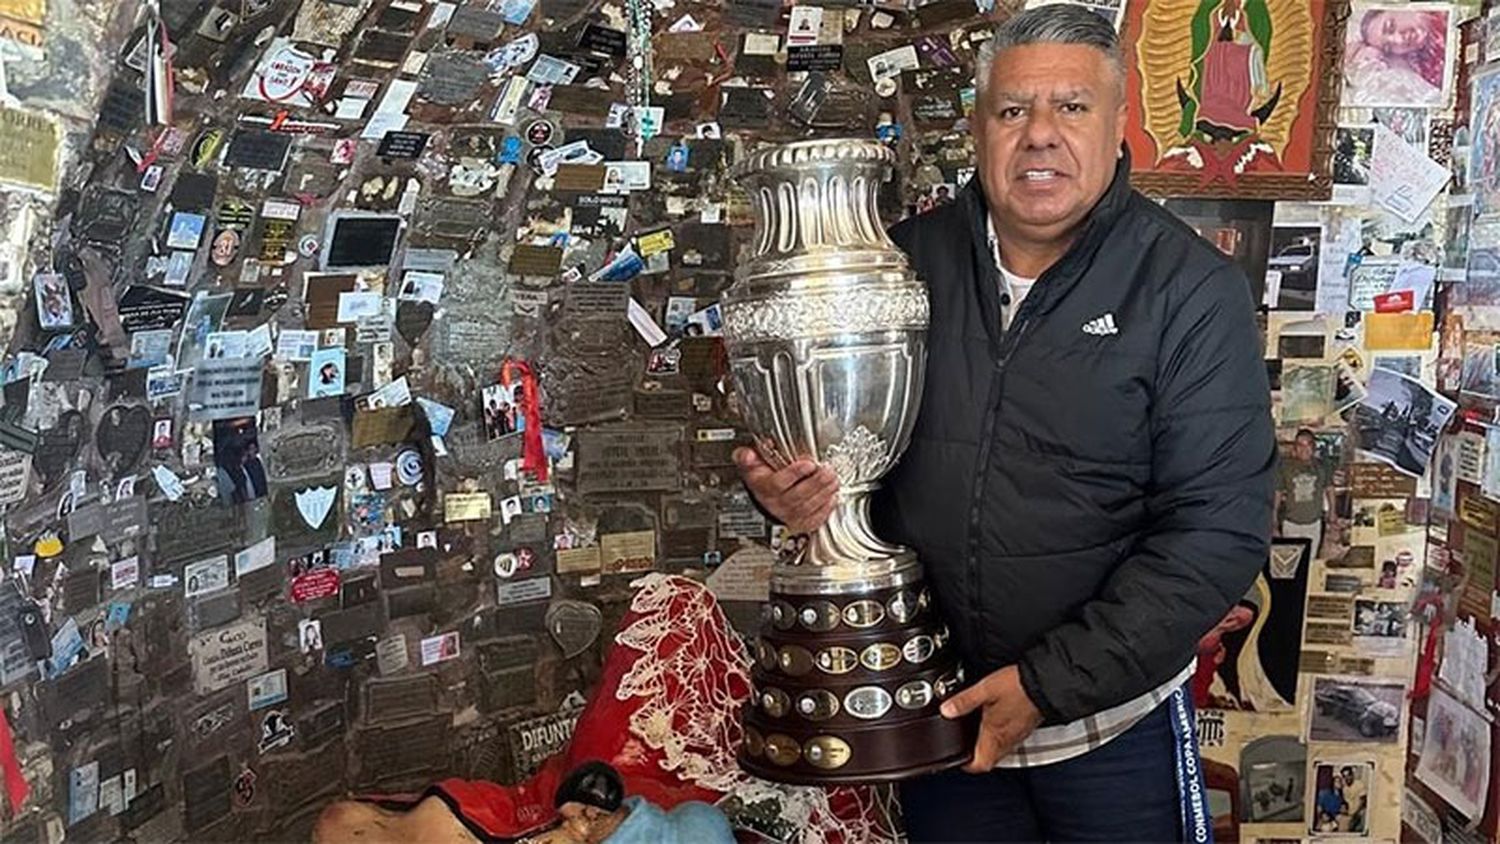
(1233, 98)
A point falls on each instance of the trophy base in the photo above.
(848, 689)
(879, 754)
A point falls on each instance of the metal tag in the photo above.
(868, 702)
(918, 649)
(782, 615)
(827, 752)
(902, 606)
(765, 654)
(863, 614)
(837, 660)
(914, 695)
(796, 660)
(819, 616)
(818, 705)
(755, 743)
(880, 656)
(775, 702)
(782, 749)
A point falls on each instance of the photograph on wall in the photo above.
(1380, 626)
(1356, 710)
(1455, 757)
(1484, 148)
(1248, 662)
(325, 373)
(503, 413)
(1294, 253)
(54, 302)
(1340, 799)
(239, 474)
(1353, 147)
(1231, 99)
(1397, 55)
(1399, 420)
(1273, 774)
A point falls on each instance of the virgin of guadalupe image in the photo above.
(1220, 82)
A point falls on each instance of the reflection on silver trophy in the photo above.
(826, 328)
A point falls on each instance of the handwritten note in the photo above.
(1403, 180)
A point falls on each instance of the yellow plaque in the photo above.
(827, 752)
(782, 749)
(28, 157)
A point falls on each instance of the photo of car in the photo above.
(1350, 711)
(1294, 258)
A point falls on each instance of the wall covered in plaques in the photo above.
(348, 393)
(351, 387)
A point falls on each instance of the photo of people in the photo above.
(502, 410)
(1396, 55)
(54, 302)
(1304, 492)
(1341, 797)
(1455, 759)
(1399, 420)
(1352, 149)
(238, 470)
(1273, 771)
(325, 373)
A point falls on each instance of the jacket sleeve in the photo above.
(1208, 509)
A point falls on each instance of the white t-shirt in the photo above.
(1010, 284)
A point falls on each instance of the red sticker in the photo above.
(319, 583)
(1395, 303)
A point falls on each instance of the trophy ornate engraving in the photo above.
(826, 329)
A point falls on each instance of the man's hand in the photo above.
(1009, 716)
(800, 496)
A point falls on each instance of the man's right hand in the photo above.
(800, 496)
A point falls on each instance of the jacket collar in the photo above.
(1060, 277)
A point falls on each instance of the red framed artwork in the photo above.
(1233, 98)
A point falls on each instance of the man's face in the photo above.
(1049, 131)
(1303, 448)
(1397, 33)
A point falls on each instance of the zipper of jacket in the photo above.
(1008, 343)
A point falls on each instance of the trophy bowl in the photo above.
(826, 332)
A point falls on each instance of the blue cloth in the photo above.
(688, 823)
(1126, 790)
(1330, 802)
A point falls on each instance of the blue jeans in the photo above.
(1125, 791)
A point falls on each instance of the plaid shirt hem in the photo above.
(1065, 741)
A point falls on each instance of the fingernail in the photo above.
(947, 710)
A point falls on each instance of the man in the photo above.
(1355, 797)
(1089, 480)
(1303, 493)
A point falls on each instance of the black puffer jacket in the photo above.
(1086, 505)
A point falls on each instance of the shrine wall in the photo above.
(344, 404)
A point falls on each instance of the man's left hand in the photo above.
(1009, 716)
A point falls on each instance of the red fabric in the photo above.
(533, 455)
(603, 733)
(16, 787)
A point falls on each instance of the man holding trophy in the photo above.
(1088, 480)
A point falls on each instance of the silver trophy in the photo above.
(826, 329)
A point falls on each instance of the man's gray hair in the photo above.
(1058, 23)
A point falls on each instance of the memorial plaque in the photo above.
(455, 219)
(302, 452)
(402, 144)
(355, 623)
(381, 49)
(536, 260)
(58, 446)
(597, 298)
(228, 655)
(196, 191)
(184, 532)
(214, 610)
(121, 436)
(388, 754)
(820, 57)
(586, 395)
(205, 794)
(628, 459)
(400, 698)
(149, 308)
(507, 673)
(256, 149)
(477, 23)
(112, 522)
(227, 388)
(452, 78)
(407, 567)
(412, 600)
(324, 723)
(534, 739)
